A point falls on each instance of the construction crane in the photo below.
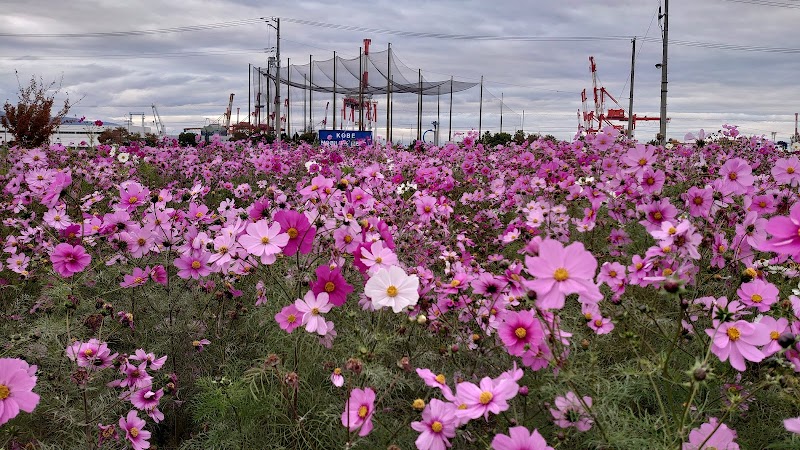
(160, 129)
(594, 121)
(228, 113)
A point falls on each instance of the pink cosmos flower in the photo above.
(60, 181)
(69, 259)
(436, 381)
(699, 201)
(93, 355)
(785, 233)
(193, 264)
(17, 380)
(159, 275)
(106, 433)
(759, 294)
(358, 411)
(298, 228)
(264, 240)
(378, 257)
(776, 328)
(656, 213)
(570, 412)
(738, 341)
(711, 435)
(138, 278)
(201, 344)
(638, 159)
(145, 399)
(336, 377)
(519, 438)
(333, 283)
(289, 318)
(437, 426)
(312, 307)
(136, 377)
(134, 430)
(792, 425)
(560, 271)
(490, 396)
(132, 195)
(152, 362)
(787, 171)
(737, 176)
(520, 331)
(652, 181)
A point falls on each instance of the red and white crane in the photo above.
(594, 121)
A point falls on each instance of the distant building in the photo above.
(76, 133)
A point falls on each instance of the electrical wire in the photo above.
(767, 3)
(202, 27)
(134, 55)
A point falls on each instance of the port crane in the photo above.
(592, 122)
(161, 131)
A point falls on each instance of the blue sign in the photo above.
(351, 137)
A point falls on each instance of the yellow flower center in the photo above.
(133, 200)
(639, 266)
(698, 201)
(672, 230)
(734, 334)
(667, 272)
(485, 397)
(88, 352)
(378, 260)
(196, 265)
(314, 187)
(651, 181)
(314, 311)
(141, 241)
(330, 287)
(362, 411)
(418, 404)
(440, 378)
(291, 318)
(762, 204)
(436, 426)
(348, 239)
(265, 240)
(337, 371)
(756, 298)
(222, 250)
(598, 323)
(199, 214)
(642, 162)
(721, 248)
(751, 272)
(5, 392)
(657, 215)
(292, 232)
(732, 176)
(462, 406)
(391, 291)
(521, 332)
(138, 280)
(134, 432)
(107, 432)
(561, 274)
(774, 335)
(790, 170)
(57, 218)
(455, 283)
(427, 209)
(195, 343)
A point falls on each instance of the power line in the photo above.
(724, 46)
(135, 55)
(202, 27)
(767, 3)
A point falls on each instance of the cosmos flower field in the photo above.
(594, 294)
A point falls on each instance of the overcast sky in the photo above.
(189, 74)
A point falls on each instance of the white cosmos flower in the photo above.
(392, 288)
(796, 147)
(123, 157)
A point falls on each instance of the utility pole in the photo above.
(388, 93)
(310, 94)
(480, 111)
(630, 101)
(334, 91)
(277, 28)
(501, 112)
(774, 133)
(450, 112)
(663, 117)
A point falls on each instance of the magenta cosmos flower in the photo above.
(570, 412)
(358, 411)
(737, 176)
(69, 259)
(17, 380)
(298, 228)
(519, 438)
(520, 331)
(560, 271)
(134, 430)
(738, 341)
(489, 396)
(289, 318)
(333, 283)
(712, 435)
(437, 426)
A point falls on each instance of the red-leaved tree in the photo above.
(30, 120)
